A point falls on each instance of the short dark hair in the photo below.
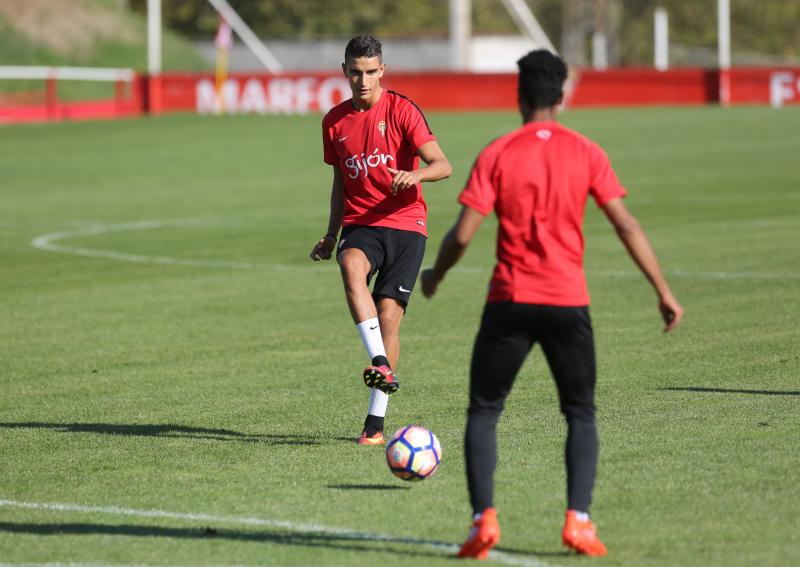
(541, 79)
(363, 45)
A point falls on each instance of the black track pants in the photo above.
(508, 332)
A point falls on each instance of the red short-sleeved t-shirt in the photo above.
(362, 145)
(537, 180)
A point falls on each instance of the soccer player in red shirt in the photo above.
(374, 142)
(537, 180)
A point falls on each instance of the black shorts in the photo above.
(395, 255)
(508, 332)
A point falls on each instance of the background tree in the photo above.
(763, 31)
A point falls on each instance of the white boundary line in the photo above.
(47, 242)
(103, 564)
(499, 556)
(98, 564)
(66, 73)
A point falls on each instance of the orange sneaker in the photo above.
(483, 536)
(374, 439)
(381, 378)
(581, 536)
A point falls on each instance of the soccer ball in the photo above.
(413, 453)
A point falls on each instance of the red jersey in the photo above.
(537, 180)
(362, 145)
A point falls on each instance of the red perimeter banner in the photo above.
(774, 86)
(318, 92)
(301, 93)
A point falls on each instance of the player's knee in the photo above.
(485, 408)
(354, 267)
(576, 411)
(390, 318)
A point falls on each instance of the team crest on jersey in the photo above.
(382, 128)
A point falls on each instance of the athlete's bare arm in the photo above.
(635, 240)
(438, 167)
(324, 248)
(453, 245)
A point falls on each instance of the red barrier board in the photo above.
(247, 93)
(457, 91)
(128, 101)
(641, 87)
(82, 110)
(775, 86)
(301, 93)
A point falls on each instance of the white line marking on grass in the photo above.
(499, 556)
(47, 242)
(98, 564)
(719, 275)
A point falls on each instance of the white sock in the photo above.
(377, 403)
(370, 331)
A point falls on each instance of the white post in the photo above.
(154, 37)
(247, 36)
(724, 26)
(460, 32)
(599, 51)
(527, 23)
(661, 39)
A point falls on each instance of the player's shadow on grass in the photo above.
(344, 541)
(348, 440)
(169, 430)
(367, 487)
(731, 391)
(534, 553)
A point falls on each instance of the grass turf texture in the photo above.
(237, 392)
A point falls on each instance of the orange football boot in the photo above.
(581, 536)
(374, 439)
(483, 536)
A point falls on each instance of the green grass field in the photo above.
(181, 385)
